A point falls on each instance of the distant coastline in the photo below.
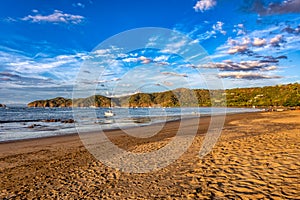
(269, 97)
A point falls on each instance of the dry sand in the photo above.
(256, 157)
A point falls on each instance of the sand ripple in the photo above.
(257, 157)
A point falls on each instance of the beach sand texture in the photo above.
(256, 157)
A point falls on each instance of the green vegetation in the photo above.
(279, 95)
(97, 101)
(56, 102)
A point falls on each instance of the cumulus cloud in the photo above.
(232, 42)
(239, 29)
(174, 74)
(219, 27)
(101, 52)
(287, 6)
(246, 41)
(216, 29)
(259, 42)
(144, 60)
(289, 29)
(129, 60)
(162, 58)
(203, 5)
(238, 49)
(241, 32)
(240, 26)
(240, 45)
(249, 45)
(251, 65)
(275, 41)
(56, 17)
(247, 75)
(243, 45)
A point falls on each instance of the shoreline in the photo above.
(130, 127)
(115, 134)
(257, 156)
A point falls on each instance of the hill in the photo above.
(97, 101)
(269, 96)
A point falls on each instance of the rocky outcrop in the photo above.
(56, 102)
(66, 121)
(2, 105)
(95, 101)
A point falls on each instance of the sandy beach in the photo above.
(256, 157)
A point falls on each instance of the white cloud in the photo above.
(60, 68)
(259, 42)
(275, 41)
(219, 27)
(240, 26)
(239, 29)
(202, 34)
(128, 60)
(251, 65)
(203, 5)
(81, 5)
(174, 46)
(101, 52)
(241, 32)
(174, 74)
(238, 49)
(247, 75)
(144, 60)
(232, 42)
(287, 6)
(246, 41)
(162, 58)
(56, 17)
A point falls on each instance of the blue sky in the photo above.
(44, 45)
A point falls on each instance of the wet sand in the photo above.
(256, 157)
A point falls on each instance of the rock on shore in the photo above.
(2, 105)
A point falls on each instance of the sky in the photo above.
(53, 48)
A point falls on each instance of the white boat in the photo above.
(109, 113)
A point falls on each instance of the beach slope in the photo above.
(257, 156)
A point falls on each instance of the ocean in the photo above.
(17, 123)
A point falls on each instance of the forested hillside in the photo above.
(279, 95)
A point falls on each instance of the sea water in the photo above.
(18, 123)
